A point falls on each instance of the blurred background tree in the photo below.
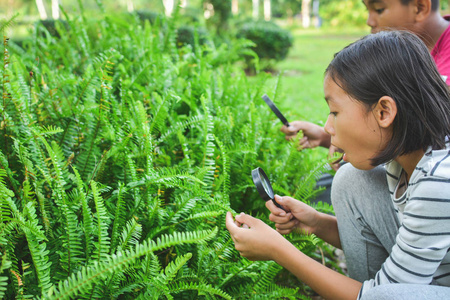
(330, 12)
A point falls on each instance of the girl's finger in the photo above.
(288, 225)
(277, 219)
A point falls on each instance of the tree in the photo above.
(235, 7)
(267, 10)
(255, 13)
(55, 9)
(306, 13)
(41, 9)
(168, 6)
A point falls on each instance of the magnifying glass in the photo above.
(263, 186)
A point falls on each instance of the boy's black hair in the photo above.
(397, 64)
(434, 4)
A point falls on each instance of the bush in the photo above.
(271, 41)
(145, 15)
(52, 26)
(186, 35)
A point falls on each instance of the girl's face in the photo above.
(352, 127)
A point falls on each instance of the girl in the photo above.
(390, 115)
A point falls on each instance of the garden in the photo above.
(127, 135)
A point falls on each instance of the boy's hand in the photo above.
(313, 135)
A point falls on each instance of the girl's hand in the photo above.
(256, 240)
(298, 215)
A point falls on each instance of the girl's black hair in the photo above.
(397, 64)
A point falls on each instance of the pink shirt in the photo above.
(441, 53)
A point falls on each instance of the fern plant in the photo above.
(120, 155)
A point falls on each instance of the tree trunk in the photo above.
(267, 10)
(130, 6)
(55, 9)
(235, 6)
(41, 9)
(255, 9)
(306, 13)
(168, 6)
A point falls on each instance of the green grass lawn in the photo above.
(300, 90)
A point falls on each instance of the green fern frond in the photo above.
(3, 286)
(133, 172)
(126, 283)
(306, 190)
(235, 271)
(8, 23)
(225, 174)
(202, 216)
(323, 207)
(267, 276)
(184, 206)
(7, 179)
(88, 220)
(28, 220)
(273, 291)
(151, 266)
(169, 177)
(38, 251)
(160, 112)
(179, 126)
(5, 193)
(49, 130)
(119, 218)
(202, 288)
(131, 235)
(71, 256)
(102, 219)
(173, 267)
(55, 157)
(209, 161)
(308, 238)
(84, 279)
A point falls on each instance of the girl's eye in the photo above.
(333, 113)
(379, 11)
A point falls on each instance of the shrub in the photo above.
(145, 15)
(271, 41)
(52, 26)
(186, 35)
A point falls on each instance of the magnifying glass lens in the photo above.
(267, 186)
(263, 186)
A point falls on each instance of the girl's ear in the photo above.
(385, 111)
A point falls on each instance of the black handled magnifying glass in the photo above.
(263, 186)
(275, 109)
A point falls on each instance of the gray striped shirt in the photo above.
(421, 253)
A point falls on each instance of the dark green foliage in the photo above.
(145, 15)
(120, 155)
(271, 41)
(222, 13)
(186, 35)
(54, 26)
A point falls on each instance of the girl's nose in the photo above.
(329, 125)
